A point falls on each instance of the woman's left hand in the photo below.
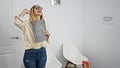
(47, 33)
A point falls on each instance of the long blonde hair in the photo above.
(32, 15)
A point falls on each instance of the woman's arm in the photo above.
(19, 21)
(48, 35)
(23, 13)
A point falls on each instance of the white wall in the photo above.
(64, 22)
(101, 40)
(81, 21)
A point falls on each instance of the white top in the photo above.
(29, 40)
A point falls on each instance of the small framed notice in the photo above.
(108, 20)
(55, 2)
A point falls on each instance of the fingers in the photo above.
(26, 11)
(46, 33)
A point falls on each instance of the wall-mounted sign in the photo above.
(55, 2)
(108, 20)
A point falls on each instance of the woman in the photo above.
(35, 40)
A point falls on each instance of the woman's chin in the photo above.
(38, 14)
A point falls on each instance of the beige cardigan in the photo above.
(29, 40)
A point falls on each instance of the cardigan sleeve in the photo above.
(48, 29)
(19, 22)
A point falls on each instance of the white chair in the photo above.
(73, 55)
(52, 61)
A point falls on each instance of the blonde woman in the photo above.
(35, 37)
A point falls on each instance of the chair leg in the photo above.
(75, 66)
(88, 65)
(68, 62)
(82, 65)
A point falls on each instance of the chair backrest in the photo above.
(71, 52)
(52, 61)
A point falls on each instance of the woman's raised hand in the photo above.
(26, 11)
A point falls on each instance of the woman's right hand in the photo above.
(26, 11)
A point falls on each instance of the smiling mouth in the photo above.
(39, 11)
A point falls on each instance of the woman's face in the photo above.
(38, 10)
